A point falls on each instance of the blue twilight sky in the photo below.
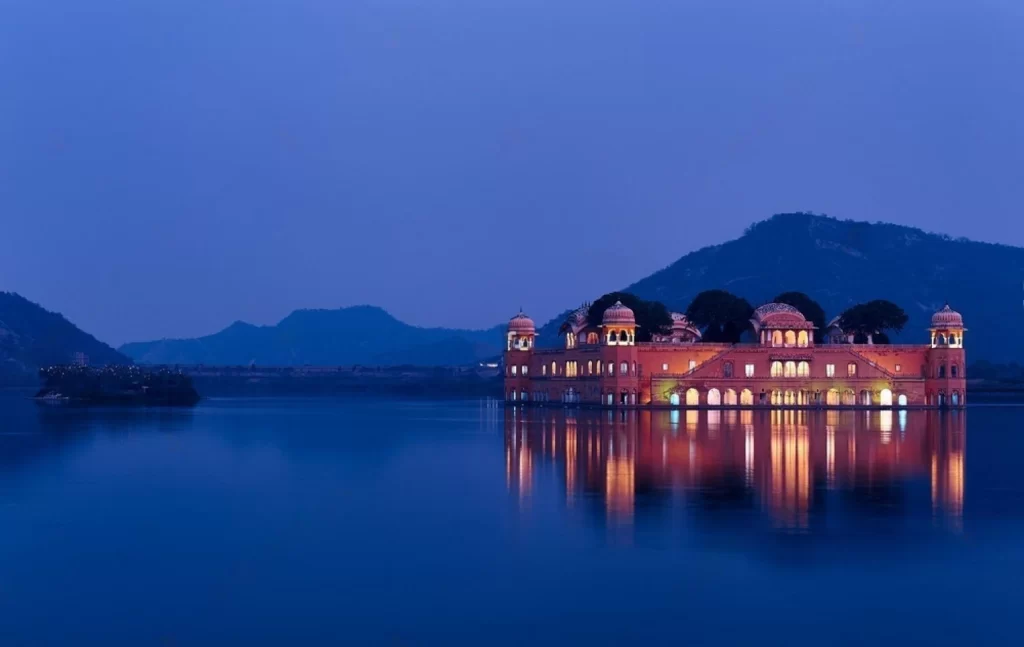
(170, 166)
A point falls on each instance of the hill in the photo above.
(839, 263)
(32, 337)
(356, 335)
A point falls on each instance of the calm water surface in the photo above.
(410, 522)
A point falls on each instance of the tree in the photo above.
(808, 307)
(872, 320)
(722, 316)
(652, 317)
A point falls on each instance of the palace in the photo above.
(605, 365)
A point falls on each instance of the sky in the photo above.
(169, 167)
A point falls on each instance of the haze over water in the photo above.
(320, 521)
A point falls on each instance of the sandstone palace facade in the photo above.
(605, 366)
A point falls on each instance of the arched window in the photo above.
(624, 368)
(590, 367)
(803, 369)
(952, 370)
(600, 367)
(591, 337)
(730, 398)
(952, 340)
(885, 398)
(634, 369)
(955, 398)
(776, 338)
(692, 397)
(727, 369)
(746, 398)
(849, 397)
(525, 369)
(942, 370)
(902, 400)
(543, 369)
(851, 369)
(714, 398)
(623, 336)
(790, 338)
(802, 339)
(832, 398)
(674, 399)
(776, 369)
(790, 370)
(554, 369)
(514, 368)
(570, 340)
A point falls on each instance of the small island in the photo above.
(116, 385)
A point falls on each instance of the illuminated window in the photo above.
(525, 367)
(748, 370)
(570, 340)
(898, 368)
(693, 364)
(634, 368)
(830, 370)
(803, 369)
(664, 368)
(554, 368)
(776, 370)
(599, 367)
(543, 369)
(590, 367)
(790, 369)
(514, 367)
(611, 368)
(624, 368)
(851, 370)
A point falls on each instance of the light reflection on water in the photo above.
(784, 461)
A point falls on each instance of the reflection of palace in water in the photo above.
(786, 461)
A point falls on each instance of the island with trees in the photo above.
(116, 385)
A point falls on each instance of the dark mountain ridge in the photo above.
(840, 263)
(32, 337)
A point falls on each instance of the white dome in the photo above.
(521, 324)
(618, 315)
(947, 318)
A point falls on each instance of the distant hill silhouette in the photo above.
(839, 263)
(836, 262)
(32, 337)
(357, 335)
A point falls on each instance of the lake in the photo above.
(402, 522)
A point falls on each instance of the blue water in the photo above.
(363, 521)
